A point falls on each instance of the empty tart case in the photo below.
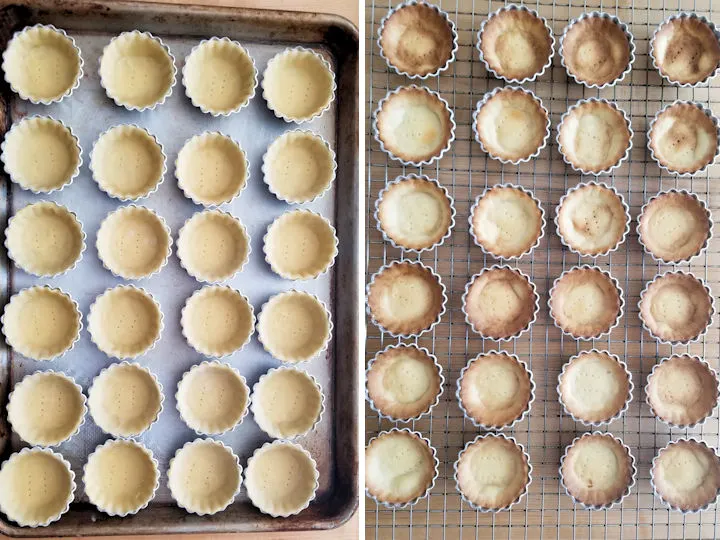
(312, 76)
(599, 49)
(621, 153)
(682, 391)
(118, 64)
(291, 409)
(499, 474)
(531, 22)
(60, 146)
(441, 134)
(125, 399)
(127, 459)
(432, 31)
(688, 50)
(598, 219)
(703, 301)
(698, 133)
(407, 374)
(41, 491)
(591, 384)
(219, 76)
(411, 195)
(38, 253)
(27, 311)
(46, 408)
(65, 68)
(212, 398)
(295, 477)
(407, 457)
(684, 208)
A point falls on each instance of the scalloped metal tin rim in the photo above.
(429, 161)
(626, 210)
(436, 468)
(625, 493)
(628, 399)
(516, 7)
(690, 194)
(473, 209)
(522, 274)
(707, 113)
(204, 108)
(521, 494)
(425, 267)
(435, 362)
(525, 412)
(443, 14)
(399, 180)
(169, 91)
(651, 47)
(625, 30)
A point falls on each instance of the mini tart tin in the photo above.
(217, 320)
(204, 476)
(596, 219)
(568, 119)
(682, 137)
(413, 148)
(219, 76)
(687, 394)
(415, 378)
(423, 217)
(46, 408)
(483, 231)
(30, 310)
(137, 71)
(133, 242)
(45, 255)
(294, 326)
(121, 477)
(505, 393)
(128, 162)
(501, 470)
(287, 402)
(678, 337)
(591, 388)
(56, 59)
(667, 224)
(125, 399)
(631, 473)
(117, 315)
(212, 398)
(593, 332)
(281, 478)
(519, 41)
(412, 321)
(698, 500)
(524, 310)
(218, 162)
(41, 135)
(299, 167)
(300, 244)
(213, 246)
(417, 25)
(408, 460)
(599, 48)
(298, 72)
(687, 49)
(43, 475)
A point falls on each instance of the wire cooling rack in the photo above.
(546, 512)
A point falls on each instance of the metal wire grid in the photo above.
(546, 512)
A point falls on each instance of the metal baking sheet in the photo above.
(89, 112)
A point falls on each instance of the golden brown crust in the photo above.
(685, 50)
